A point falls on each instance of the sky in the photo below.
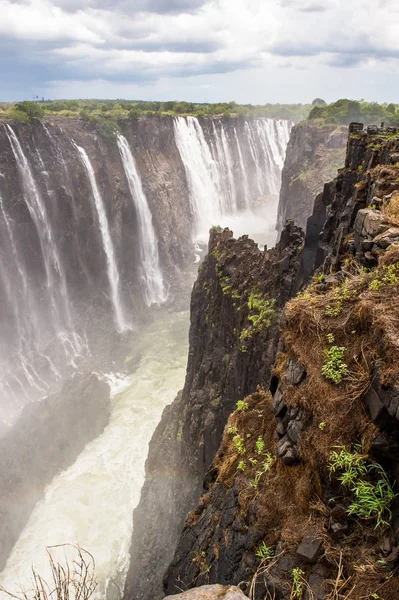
(250, 51)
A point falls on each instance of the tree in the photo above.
(32, 109)
(319, 102)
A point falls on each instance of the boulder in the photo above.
(211, 592)
(369, 223)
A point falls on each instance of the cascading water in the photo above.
(154, 289)
(121, 320)
(91, 503)
(229, 168)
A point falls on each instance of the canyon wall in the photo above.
(314, 154)
(96, 229)
(276, 516)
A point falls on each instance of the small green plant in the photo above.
(239, 444)
(217, 228)
(261, 315)
(264, 552)
(242, 405)
(388, 276)
(322, 425)
(368, 483)
(260, 445)
(298, 583)
(330, 338)
(232, 430)
(334, 368)
(241, 465)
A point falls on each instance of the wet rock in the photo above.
(311, 546)
(211, 592)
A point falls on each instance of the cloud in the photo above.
(153, 40)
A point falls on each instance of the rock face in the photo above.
(48, 436)
(235, 313)
(314, 153)
(275, 517)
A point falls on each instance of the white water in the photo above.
(236, 170)
(122, 322)
(91, 503)
(154, 289)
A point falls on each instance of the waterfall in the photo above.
(154, 290)
(37, 210)
(112, 269)
(202, 174)
(228, 167)
(243, 171)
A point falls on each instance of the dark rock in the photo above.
(311, 546)
(295, 372)
(294, 429)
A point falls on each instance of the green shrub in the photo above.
(372, 499)
(334, 367)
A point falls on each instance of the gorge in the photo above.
(108, 231)
(100, 237)
(291, 372)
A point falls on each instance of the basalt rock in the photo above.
(314, 154)
(229, 357)
(247, 515)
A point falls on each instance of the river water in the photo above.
(91, 503)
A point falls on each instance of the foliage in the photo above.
(389, 275)
(260, 445)
(334, 367)
(239, 444)
(32, 109)
(135, 109)
(264, 552)
(261, 315)
(372, 499)
(345, 111)
(297, 583)
(242, 405)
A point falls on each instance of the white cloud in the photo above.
(155, 39)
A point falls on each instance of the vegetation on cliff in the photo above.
(303, 500)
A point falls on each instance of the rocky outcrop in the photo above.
(47, 437)
(279, 515)
(235, 313)
(314, 153)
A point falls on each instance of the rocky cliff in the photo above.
(314, 153)
(235, 314)
(300, 500)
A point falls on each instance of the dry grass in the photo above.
(74, 579)
(391, 209)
